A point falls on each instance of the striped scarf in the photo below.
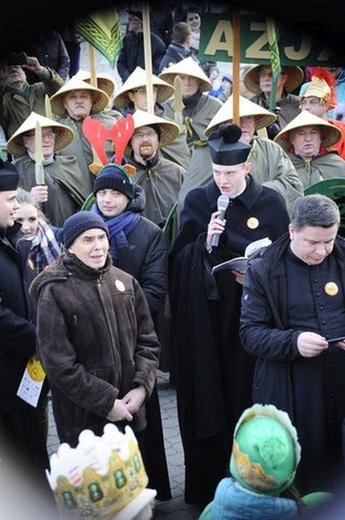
(44, 247)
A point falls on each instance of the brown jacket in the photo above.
(96, 341)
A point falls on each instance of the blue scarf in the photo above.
(119, 228)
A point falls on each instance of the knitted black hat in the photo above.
(8, 176)
(113, 177)
(226, 146)
(75, 225)
(132, 13)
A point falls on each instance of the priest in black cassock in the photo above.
(213, 372)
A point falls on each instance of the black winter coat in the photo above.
(310, 390)
(17, 315)
(132, 54)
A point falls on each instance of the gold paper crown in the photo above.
(99, 477)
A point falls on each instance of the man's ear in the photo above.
(248, 167)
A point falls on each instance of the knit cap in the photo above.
(113, 177)
(75, 225)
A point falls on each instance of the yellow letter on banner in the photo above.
(221, 39)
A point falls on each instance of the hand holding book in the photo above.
(240, 263)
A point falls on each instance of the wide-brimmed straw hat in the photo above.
(262, 117)
(64, 134)
(330, 134)
(100, 98)
(294, 79)
(105, 82)
(187, 67)
(138, 79)
(168, 130)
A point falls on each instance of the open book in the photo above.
(240, 263)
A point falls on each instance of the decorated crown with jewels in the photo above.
(99, 477)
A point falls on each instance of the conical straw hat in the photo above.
(294, 80)
(104, 81)
(100, 98)
(138, 79)
(330, 134)
(187, 67)
(262, 117)
(168, 129)
(64, 134)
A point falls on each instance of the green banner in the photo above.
(295, 47)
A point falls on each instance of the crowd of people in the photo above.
(113, 216)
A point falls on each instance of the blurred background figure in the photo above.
(192, 16)
(132, 52)
(179, 48)
(50, 50)
(72, 41)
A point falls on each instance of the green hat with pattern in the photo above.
(266, 451)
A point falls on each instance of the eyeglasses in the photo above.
(142, 90)
(141, 135)
(190, 19)
(45, 135)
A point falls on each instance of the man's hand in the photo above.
(239, 276)
(40, 193)
(119, 412)
(216, 226)
(311, 344)
(134, 399)
(32, 64)
(340, 344)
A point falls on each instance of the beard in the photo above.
(146, 151)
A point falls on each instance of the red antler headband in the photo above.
(97, 134)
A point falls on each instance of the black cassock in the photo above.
(213, 372)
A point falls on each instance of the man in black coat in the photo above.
(213, 372)
(22, 430)
(292, 321)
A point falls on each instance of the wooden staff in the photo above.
(148, 58)
(178, 105)
(39, 172)
(48, 107)
(236, 66)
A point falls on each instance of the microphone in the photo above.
(222, 204)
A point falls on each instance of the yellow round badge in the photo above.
(331, 288)
(252, 223)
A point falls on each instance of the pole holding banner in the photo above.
(236, 51)
(274, 59)
(92, 63)
(148, 57)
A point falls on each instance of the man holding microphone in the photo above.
(214, 373)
